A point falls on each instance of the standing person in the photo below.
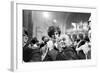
(54, 34)
(25, 38)
(44, 48)
(83, 47)
(26, 49)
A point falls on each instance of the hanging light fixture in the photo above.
(46, 14)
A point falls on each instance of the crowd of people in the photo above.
(56, 46)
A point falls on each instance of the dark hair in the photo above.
(53, 29)
(43, 38)
(34, 40)
(74, 37)
(81, 36)
(86, 38)
(25, 32)
(81, 43)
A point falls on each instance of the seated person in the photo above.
(31, 51)
(67, 53)
(36, 53)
